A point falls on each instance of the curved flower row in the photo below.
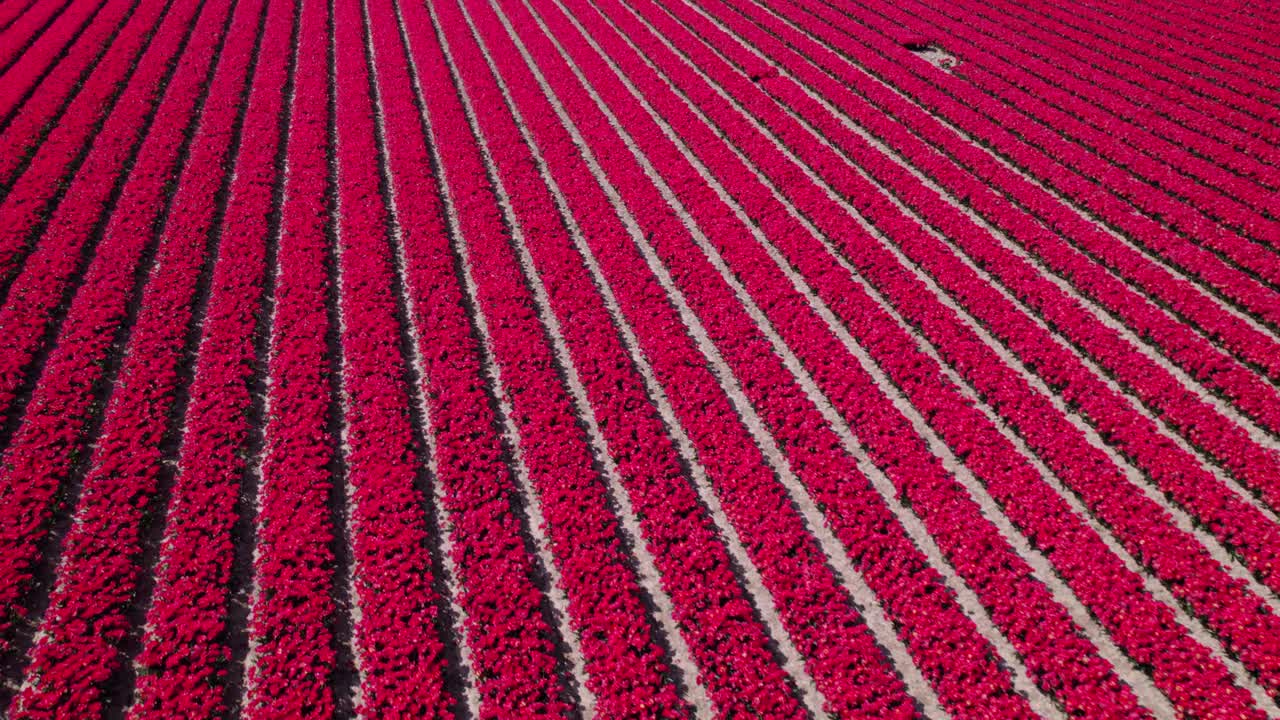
(45, 446)
(797, 427)
(1237, 524)
(799, 182)
(184, 656)
(78, 649)
(294, 602)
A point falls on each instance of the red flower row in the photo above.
(78, 648)
(1214, 433)
(1248, 344)
(19, 79)
(27, 30)
(1103, 108)
(1196, 355)
(513, 660)
(1133, 181)
(1187, 105)
(764, 380)
(1199, 263)
(757, 199)
(11, 11)
(791, 182)
(676, 529)
(184, 657)
(294, 602)
(1057, 117)
(1059, 374)
(44, 448)
(1237, 71)
(1215, 504)
(397, 633)
(848, 668)
(28, 199)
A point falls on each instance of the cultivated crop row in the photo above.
(663, 358)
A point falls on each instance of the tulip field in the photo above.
(527, 359)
